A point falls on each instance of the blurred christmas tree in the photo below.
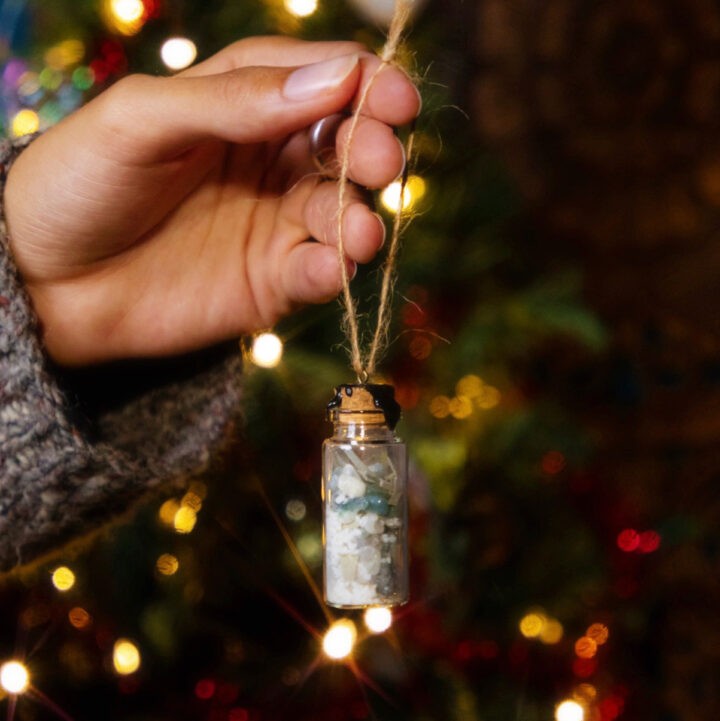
(199, 609)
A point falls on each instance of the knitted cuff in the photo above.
(56, 484)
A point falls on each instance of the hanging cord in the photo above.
(364, 364)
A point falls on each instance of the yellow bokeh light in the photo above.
(440, 407)
(469, 386)
(532, 624)
(552, 632)
(585, 692)
(378, 619)
(167, 564)
(63, 578)
(598, 632)
(14, 677)
(569, 711)
(339, 639)
(126, 657)
(191, 500)
(25, 122)
(65, 54)
(124, 16)
(185, 520)
(488, 398)
(301, 8)
(461, 407)
(267, 350)
(415, 189)
(178, 53)
(168, 510)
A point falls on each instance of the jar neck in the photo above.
(363, 431)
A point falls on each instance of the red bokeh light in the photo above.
(584, 667)
(628, 540)
(649, 541)
(205, 689)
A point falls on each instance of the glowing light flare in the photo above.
(552, 633)
(440, 407)
(585, 647)
(532, 624)
(267, 350)
(378, 619)
(63, 578)
(126, 657)
(79, 618)
(628, 540)
(185, 520)
(301, 8)
(167, 511)
(124, 16)
(14, 677)
(598, 632)
(415, 189)
(461, 407)
(167, 564)
(339, 639)
(25, 122)
(569, 710)
(178, 53)
(191, 500)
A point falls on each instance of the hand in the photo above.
(170, 213)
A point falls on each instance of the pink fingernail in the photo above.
(310, 81)
(384, 229)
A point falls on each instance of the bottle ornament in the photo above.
(364, 492)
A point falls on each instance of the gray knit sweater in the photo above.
(58, 483)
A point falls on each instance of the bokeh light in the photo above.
(295, 510)
(569, 710)
(14, 677)
(552, 632)
(25, 122)
(79, 618)
(628, 540)
(185, 520)
(585, 647)
(440, 407)
(301, 8)
(167, 511)
(532, 624)
(124, 16)
(63, 578)
(126, 657)
(598, 632)
(649, 541)
(167, 564)
(178, 53)
(378, 619)
(339, 640)
(267, 350)
(415, 189)
(461, 407)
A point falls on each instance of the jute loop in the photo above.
(364, 365)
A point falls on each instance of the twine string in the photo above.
(364, 364)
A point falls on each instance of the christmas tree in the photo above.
(550, 578)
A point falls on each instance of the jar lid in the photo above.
(357, 402)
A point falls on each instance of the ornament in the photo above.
(365, 500)
(380, 12)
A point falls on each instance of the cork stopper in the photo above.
(364, 403)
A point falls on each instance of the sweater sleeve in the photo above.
(58, 483)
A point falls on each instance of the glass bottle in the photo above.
(364, 500)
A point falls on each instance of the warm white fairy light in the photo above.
(339, 639)
(126, 657)
(378, 619)
(267, 350)
(178, 53)
(63, 578)
(415, 189)
(127, 11)
(14, 677)
(301, 8)
(569, 711)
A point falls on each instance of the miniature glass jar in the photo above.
(365, 501)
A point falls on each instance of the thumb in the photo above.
(247, 105)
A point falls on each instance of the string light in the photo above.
(167, 564)
(598, 632)
(378, 619)
(14, 677)
(63, 578)
(532, 624)
(301, 8)
(415, 189)
(167, 511)
(552, 633)
(569, 711)
(185, 520)
(585, 647)
(339, 640)
(125, 16)
(178, 53)
(126, 657)
(267, 350)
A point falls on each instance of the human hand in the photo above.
(170, 213)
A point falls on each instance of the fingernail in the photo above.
(352, 270)
(420, 100)
(384, 229)
(404, 156)
(310, 81)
